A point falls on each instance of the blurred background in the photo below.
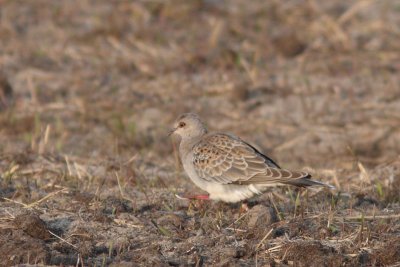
(312, 83)
(89, 89)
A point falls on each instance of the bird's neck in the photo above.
(187, 143)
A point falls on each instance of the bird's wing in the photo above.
(226, 159)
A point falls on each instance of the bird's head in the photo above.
(188, 125)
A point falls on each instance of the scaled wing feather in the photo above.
(226, 159)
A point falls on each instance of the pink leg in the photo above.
(244, 208)
(202, 197)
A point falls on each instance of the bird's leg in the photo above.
(191, 197)
(200, 200)
(202, 197)
(244, 207)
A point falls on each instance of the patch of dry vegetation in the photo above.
(88, 90)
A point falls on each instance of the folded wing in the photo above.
(226, 159)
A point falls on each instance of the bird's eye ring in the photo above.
(182, 124)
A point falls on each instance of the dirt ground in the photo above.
(88, 92)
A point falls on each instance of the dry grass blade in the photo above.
(292, 142)
(63, 240)
(371, 217)
(15, 201)
(236, 229)
(352, 11)
(47, 197)
(44, 141)
(128, 224)
(274, 249)
(264, 238)
(364, 175)
(238, 219)
(119, 185)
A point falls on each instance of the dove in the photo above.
(228, 168)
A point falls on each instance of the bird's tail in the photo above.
(307, 181)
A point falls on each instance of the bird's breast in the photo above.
(187, 162)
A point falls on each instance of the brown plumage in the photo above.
(226, 159)
(228, 168)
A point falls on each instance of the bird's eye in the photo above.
(182, 124)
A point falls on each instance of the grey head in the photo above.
(189, 126)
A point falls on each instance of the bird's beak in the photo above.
(172, 131)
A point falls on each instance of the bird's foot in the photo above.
(201, 197)
(244, 207)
